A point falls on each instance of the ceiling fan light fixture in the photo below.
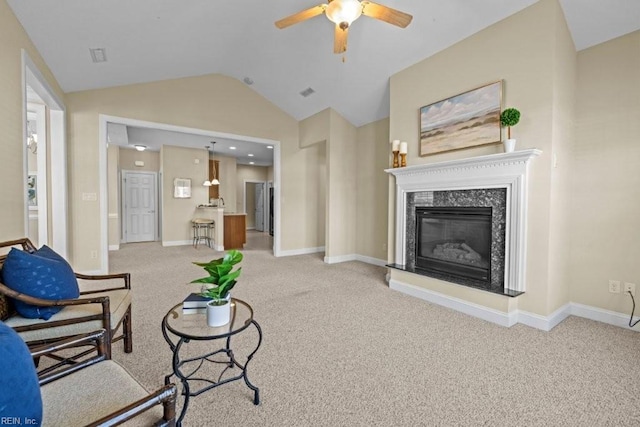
(341, 11)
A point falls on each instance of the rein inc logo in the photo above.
(18, 421)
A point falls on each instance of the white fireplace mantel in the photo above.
(505, 170)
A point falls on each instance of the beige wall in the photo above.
(314, 136)
(12, 40)
(528, 66)
(128, 157)
(211, 102)
(606, 178)
(113, 188)
(315, 129)
(372, 189)
(563, 134)
(341, 188)
(181, 162)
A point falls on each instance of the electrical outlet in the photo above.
(630, 287)
(614, 286)
(94, 254)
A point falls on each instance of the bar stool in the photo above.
(203, 229)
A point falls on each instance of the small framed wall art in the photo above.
(466, 120)
(181, 188)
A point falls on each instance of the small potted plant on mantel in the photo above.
(217, 285)
(509, 117)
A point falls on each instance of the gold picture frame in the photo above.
(469, 119)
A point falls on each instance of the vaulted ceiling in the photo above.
(148, 40)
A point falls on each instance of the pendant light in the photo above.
(214, 181)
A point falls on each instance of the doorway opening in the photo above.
(46, 176)
(256, 205)
(104, 120)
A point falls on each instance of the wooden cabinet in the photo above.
(235, 231)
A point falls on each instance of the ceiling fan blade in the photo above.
(340, 39)
(301, 16)
(386, 14)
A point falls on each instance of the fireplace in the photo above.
(454, 241)
(473, 189)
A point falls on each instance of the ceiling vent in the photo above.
(98, 55)
(308, 91)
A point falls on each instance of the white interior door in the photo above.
(259, 207)
(139, 207)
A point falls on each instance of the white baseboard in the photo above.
(177, 243)
(114, 247)
(339, 258)
(472, 309)
(545, 323)
(370, 260)
(355, 257)
(304, 251)
(605, 316)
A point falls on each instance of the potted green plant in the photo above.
(221, 279)
(509, 117)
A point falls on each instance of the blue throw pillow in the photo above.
(20, 400)
(43, 274)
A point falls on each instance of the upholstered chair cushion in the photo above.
(119, 302)
(20, 400)
(42, 274)
(92, 393)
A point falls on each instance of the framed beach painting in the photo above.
(466, 120)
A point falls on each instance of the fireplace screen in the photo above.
(454, 240)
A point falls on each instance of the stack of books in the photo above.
(195, 303)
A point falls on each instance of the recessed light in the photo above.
(232, 148)
(250, 155)
(252, 163)
(270, 147)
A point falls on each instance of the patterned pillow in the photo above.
(20, 400)
(40, 275)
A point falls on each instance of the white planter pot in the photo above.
(509, 145)
(218, 315)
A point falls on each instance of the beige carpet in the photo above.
(342, 349)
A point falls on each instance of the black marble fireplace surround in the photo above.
(494, 198)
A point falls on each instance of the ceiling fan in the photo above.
(343, 13)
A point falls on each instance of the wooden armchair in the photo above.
(106, 306)
(99, 392)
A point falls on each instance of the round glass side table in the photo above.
(179, 328)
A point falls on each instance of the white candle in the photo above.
(403, 147)
(395, 145)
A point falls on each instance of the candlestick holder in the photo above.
(395, 159)
(403, 160)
